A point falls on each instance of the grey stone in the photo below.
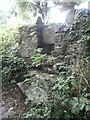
(55, 53)
(8, 114)
(41, 76)
(33, 93)
(59, 37)
(39, 38)
(36, 89)
(29, 41)
(49, 34)
(39, 50)
(23, 86)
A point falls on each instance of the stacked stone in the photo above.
(77, 47)
(28, 41)
(60, 44)
(70, 34)
(49, 34)
(40, 36)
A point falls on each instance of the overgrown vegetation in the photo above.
(8, 36)
(13, 66)
(68, 97)
(38, 60)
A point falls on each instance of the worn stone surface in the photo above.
(67, 49)
(60, 44)
(34, 37)
(33, 93)
(31, 37)
(49, 34)
(40, 36)
(36, 88)
(28, 42)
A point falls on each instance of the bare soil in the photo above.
(13, 105)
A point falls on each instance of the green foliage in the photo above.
(27, 80)
(88, 57)
(8, 37)
(13, 68)
(66, 99)
(39, 111)
(38, 60)
(87, 38)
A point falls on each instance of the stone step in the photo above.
(57, 53)
(58, 41)
(42, 76)
(37, 88)
(34, 94)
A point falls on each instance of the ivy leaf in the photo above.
(87, 107)
(75, 98)
(74, 102)
(83, 100)
(82, 106)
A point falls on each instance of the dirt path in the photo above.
(13, 103)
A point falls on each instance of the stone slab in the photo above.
(49, 34)
(34, 94)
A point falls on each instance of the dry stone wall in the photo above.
(28, 41)
(54, 40)
(34, 37)
(49, 34)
